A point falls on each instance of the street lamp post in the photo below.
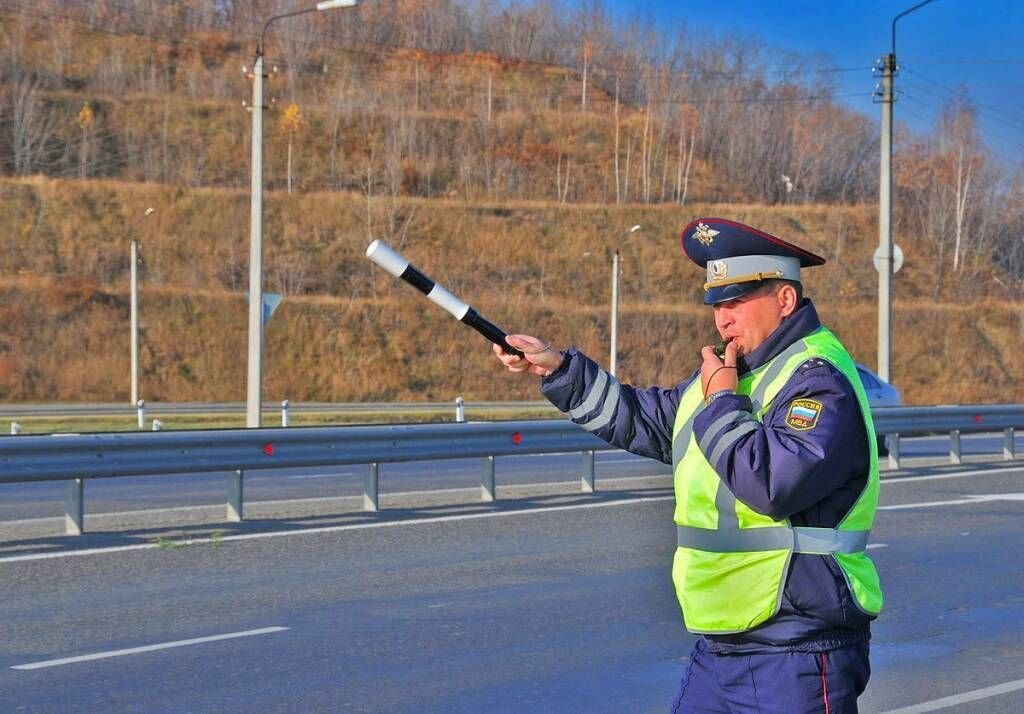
(254, 381)
(134, 270)
(885, 244)
(613, 360)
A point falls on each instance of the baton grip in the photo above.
(489, 330)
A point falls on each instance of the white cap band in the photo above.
(729, 271)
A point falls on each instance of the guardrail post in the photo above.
(487, 480)
(284, 413)
(371, 498)
(587, 478)
(460, 410)
(235, 505)
(15, 428)
(140, 407)
(894, 450)
(1009, 446)
(74, 507)
(954, 447)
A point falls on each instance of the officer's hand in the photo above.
(716, 374)
(538, 358)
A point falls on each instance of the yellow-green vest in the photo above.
(731, 562)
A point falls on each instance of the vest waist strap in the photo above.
(749, 540)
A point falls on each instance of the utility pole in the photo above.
(133, 254)
(135, 319)
(884, 254)
(614, 350)
(613, 360)
(885, 225)
(254, 379)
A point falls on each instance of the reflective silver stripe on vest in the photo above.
(681, 442)
(774, 369)
(818, 541)
(593, 396)
(610, 400)
(725, 503)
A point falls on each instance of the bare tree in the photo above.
(32, 124)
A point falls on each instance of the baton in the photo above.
(393, 262)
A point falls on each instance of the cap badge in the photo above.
(705, 234)
(718, 270)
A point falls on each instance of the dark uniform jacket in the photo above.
(813, 477)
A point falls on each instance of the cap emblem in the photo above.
(718, 270)
(705, 234)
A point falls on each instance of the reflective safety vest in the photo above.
(731, 562)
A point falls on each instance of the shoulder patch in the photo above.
(803, 414)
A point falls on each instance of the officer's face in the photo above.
(749, 320)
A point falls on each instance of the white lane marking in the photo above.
(956, 501)
(147, 648)
(877, 545)
(972, 696)
(335, 529)
(958, 474)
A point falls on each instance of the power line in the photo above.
(1002, 137)
(982, 110)
(953, 93)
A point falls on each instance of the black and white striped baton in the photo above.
(391, 261)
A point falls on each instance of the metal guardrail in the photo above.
(75, 458)
(894, 422)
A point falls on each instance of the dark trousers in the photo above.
(785, 682)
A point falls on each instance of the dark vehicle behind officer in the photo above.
(775, 473)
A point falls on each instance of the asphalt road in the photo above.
(559, 604)
(46, 499)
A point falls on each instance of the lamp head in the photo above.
(332, 4)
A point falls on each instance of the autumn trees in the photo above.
(527, 100)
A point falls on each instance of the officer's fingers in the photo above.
(732, 351)
(707, 353)
(526, 343)
(511, 362)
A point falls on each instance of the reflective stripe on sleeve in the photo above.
(608, 408)
(720, 423)
(592, 397)
(729, 438)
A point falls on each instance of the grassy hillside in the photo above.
(348, 332)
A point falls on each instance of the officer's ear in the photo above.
(789, 299)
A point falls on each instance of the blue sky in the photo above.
(948, 43)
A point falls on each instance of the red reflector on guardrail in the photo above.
(977, 418)
(268, 449)
(517, 438)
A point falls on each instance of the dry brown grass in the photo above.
(348, 332)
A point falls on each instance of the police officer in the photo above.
(775, 475)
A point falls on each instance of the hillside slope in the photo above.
(348, 332)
